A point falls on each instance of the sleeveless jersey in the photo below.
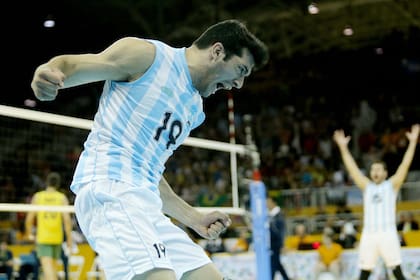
(140, 123)
(379, 206)
(49, 224)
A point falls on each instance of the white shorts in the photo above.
(374, 245)
(125, 226)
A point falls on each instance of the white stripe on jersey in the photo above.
(139, 124)
(379, 206)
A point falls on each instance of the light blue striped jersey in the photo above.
(379, 206)
(139, 124)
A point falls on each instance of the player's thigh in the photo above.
(206, 272)
(390, 249)
(156, 274)
(185, 254)
(368, 251)
(119, 224)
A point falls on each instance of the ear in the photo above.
(217, 51)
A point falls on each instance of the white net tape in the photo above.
(21, 207)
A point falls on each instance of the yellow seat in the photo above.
(412, 238)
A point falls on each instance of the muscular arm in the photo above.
(342, 142)
(207, 225)
(398, 178)
(176, 207)
(125, 60)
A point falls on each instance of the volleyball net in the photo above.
(32, 142)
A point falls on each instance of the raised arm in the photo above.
(125, 60)
(342, 142)
(399, 177)
(207, 225)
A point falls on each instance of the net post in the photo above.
(260, 223)
(233, 158)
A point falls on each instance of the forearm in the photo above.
(80, 69)
(66, 64)
(175, 206)
(349, 161)
(403, 168)
(409, 155)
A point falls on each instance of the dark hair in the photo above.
(378, 161)
(235, 37)
(53, 180)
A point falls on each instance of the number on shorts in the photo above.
(160, 249)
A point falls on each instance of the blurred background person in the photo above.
(347, 237)
(277, 226)
(243, 241)
(407, 222)
(379, 236)
(49, 229)
(301, 240)
(29, 266)
(6, 260)
(329, 255)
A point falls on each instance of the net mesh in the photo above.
(31, 146)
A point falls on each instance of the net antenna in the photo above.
(251, 148)
(233, 158)
(85, 124)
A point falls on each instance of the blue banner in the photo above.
(260, 230)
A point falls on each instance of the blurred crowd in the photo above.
(294, 141)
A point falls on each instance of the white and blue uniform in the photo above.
(137, 127)
(379, 235)
(139, 124)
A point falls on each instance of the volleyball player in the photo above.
(379, 236)
(151, 100)
(49, 226)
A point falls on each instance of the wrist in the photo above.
(191, 217)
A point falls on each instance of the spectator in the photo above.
(6, 260)
(407, 222)
(300, 240)
(215, 246)
(29, 266)
(329, 253)
(243, 241)
(347, 236)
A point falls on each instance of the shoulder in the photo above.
(390, 184)
(63, 197)
(36, 196)
(279, 217)
(132, 49)
(133, 42)
(136, 55)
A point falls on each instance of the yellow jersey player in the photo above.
(49, 226)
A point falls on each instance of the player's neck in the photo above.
(197, 61)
